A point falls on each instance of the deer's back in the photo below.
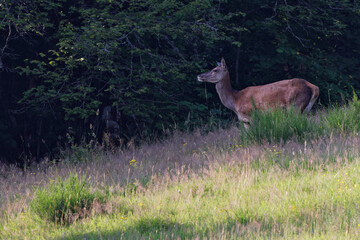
(282, 93)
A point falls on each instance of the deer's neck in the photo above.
(226, 93)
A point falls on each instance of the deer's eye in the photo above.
(215, 71)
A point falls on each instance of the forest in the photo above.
(91, 72)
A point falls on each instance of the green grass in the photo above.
(230, 201)
(280, 124)
(343, 119)
(296, 184)
(65, 200)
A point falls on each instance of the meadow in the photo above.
(291, 176)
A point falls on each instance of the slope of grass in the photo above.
(216, 186)
(262, 199)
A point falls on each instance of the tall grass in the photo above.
(281, 125)
(278, 124)
(65, 200)
(343, 118)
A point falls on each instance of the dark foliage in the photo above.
(72, 70)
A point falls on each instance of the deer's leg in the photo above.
(244, 119)
(246, 126)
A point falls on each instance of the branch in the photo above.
(6, 41)
(289, 29)
(174, 47)
(274, 10)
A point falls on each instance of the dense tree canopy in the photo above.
(63, 62)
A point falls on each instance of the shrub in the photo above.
(66, 200)
(278, 124)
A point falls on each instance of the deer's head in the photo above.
(215, 75)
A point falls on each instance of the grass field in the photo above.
(228, 184)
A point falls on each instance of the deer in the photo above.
(295, 92)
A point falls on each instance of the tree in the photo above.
(63, 62)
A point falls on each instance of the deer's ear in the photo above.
(223, 63)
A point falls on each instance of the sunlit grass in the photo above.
(282, 194)
(64, 201)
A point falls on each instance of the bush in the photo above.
(278, 124)
(66, 200)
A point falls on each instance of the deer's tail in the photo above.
(314, 97)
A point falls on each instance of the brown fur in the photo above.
(283, 93)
